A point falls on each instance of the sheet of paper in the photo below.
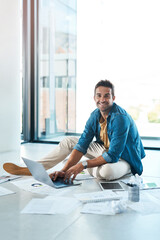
(50, 205)
(64, 205)
(6, 178)
(4, 191)
(123, 195)
(97, 196)
(84, 176)
(102, 208)
(32, 185)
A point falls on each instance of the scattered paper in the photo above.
(84, 176)
(97, 196)
(50, 205)
(123, 195)
(32, 185)
(4, 191)
(7, 178)
(104, 208)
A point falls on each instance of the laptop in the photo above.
(39, 173)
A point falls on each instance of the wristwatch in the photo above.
(85, 164)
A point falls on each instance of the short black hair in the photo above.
(105, 83)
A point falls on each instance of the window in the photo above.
(75, 46)
(119, 41)
(56, 68)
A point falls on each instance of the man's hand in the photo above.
(72, 161)
(56, 174)
(73, 171)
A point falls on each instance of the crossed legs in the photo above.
(108, 171)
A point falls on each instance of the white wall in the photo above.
(9, 78)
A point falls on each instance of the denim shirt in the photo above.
(125, 142)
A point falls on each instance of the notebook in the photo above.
(39, 173)
(100, 196)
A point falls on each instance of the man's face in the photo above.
(104, 99)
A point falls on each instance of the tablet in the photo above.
(111, 186)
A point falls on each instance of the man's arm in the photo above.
(73, 160)
(74, 170)
(96, 162)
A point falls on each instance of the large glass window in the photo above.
(76, 44)
(56, 68)
(119, 41)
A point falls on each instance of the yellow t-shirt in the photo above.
(103, 133)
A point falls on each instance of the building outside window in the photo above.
(57, 40)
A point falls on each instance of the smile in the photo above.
(103, 104)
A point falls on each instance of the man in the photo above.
(117, 151)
